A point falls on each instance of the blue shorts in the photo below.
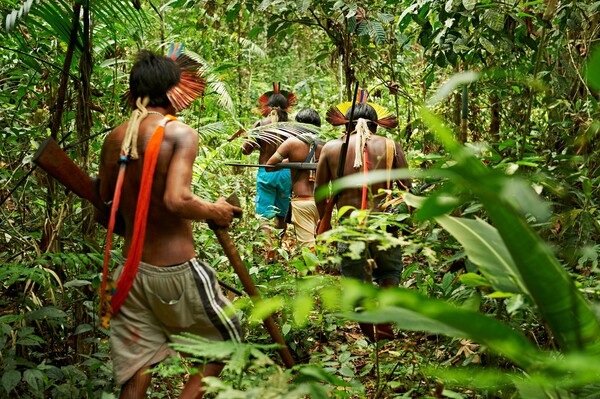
(273, 191)
(389, 263)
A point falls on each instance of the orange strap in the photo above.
(104, 301)
(139, 228)
(365, 189)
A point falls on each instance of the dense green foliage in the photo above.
(498, 104)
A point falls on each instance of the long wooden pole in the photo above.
(238, 266)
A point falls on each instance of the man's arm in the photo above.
(106, 193)
(323, 177)
(178, 197)
(283, 152)
(400, 162)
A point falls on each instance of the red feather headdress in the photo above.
(385, 119)
(265, 109)
(191, 84)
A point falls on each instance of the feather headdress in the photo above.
(263, 101)
(385, 119)
(191, 83)
(277, 134)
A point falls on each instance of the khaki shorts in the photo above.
(164, 301)
(305, 217)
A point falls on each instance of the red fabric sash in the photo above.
(365, 188)
(139, 229)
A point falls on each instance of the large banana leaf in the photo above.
(484, 247)
(411, 310)
(561, 304)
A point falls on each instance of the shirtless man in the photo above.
(273, 190)
(389, 262)
(173, 291)
(304, 210)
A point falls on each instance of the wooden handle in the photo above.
(57, 164)
(238, 266)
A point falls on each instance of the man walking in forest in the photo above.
(366, 152)
(273, 189)
(169, 291)
(302, 149)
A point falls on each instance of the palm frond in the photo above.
(214, 83)
(277, 133)
(253, 48)
(17, 14)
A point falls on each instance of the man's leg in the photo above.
(280, 223)
(389, 273)
(193, 388)
(136, 387)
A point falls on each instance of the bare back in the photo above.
(296, 150)
(376, 152)
(168, 237)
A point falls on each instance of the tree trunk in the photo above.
(495, 117)
(83, 118)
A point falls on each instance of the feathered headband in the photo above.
(191, 83)
(263, 100)
(385, 119)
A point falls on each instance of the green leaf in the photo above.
(302, 307)
(385, 18)
(470, 4)
(377, 32)
(494, 20)
(346, 371)
(77, 283)
(83, 328)
(35, 379)
(50, 312)
(486, 250)
(452, 84)
(562, 306)
(265, 308)
(474, 280)
(10, 379)
(313, 373)
(593, 69)
(487, 45)
(302, 5)
(411, 310)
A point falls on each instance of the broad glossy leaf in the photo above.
(486, 250)
(494, 20)
(488, 45)
(593, 69)
(409, 309)
(562, 306)
(35, 379)
(470, 4)
(10, 379)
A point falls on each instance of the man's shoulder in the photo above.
(333, 144)
(177, 126)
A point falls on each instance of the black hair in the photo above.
(365, 111)
(153, 76)
(308, 115)
(280, 103)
